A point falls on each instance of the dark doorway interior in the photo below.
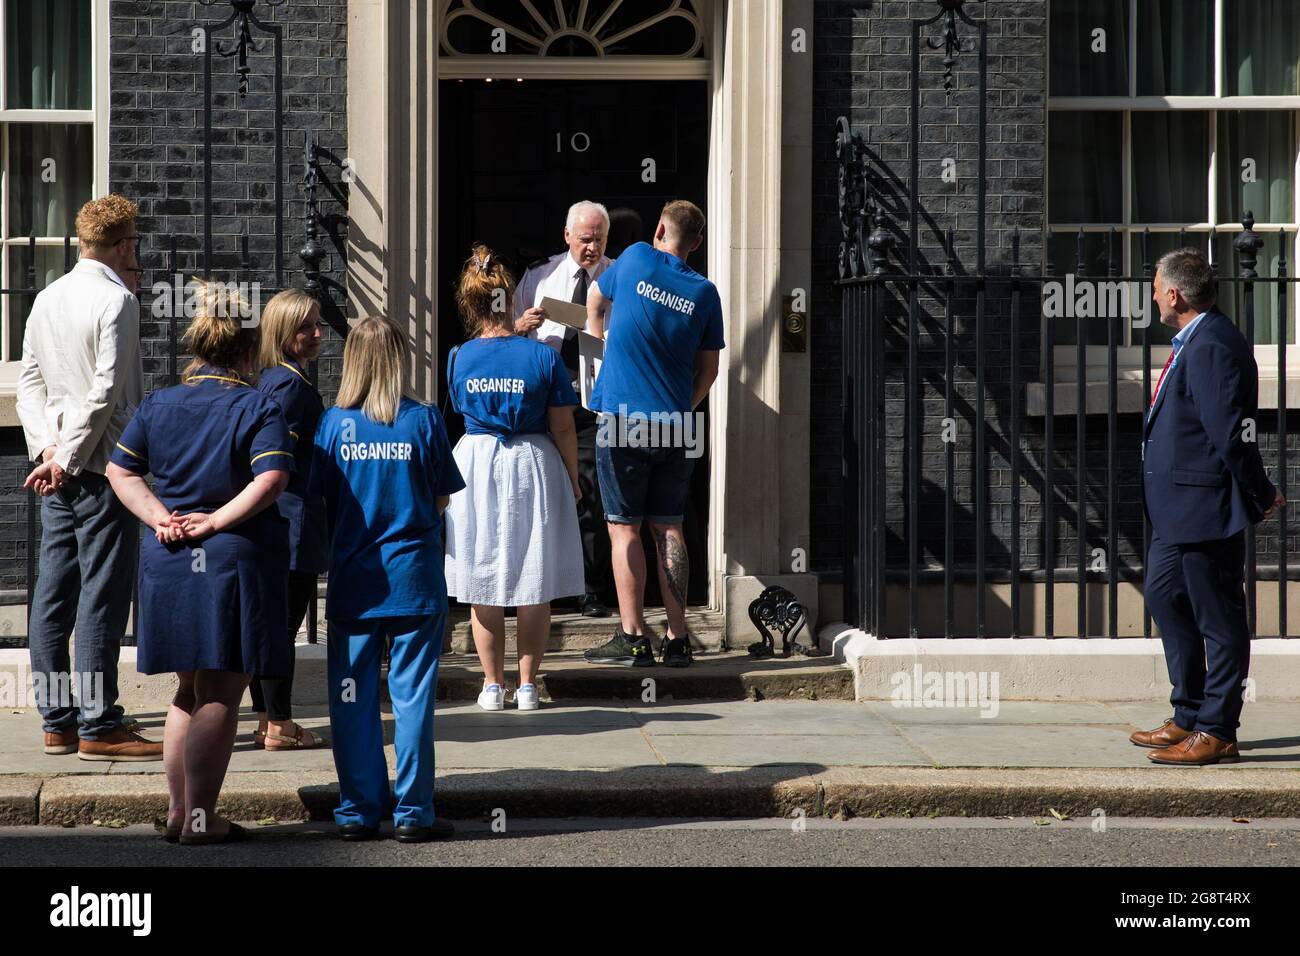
(515, 156)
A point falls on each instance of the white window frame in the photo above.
(1130, 356)
(97, 117)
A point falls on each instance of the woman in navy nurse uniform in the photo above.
(512, 535)
(290, 331)
(213, 576)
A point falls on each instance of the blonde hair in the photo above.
(217, 336)
(281, 320)
(374, 369)
(105, 221)
(485, 292)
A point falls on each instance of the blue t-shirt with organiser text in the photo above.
(663, 313)
(504, 385)
(381, 485)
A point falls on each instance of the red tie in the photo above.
(1168, 362)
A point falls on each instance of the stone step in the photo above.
(731, 675)
(573, 632)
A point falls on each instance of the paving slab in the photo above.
(1050, 745)
(578, 746)
(451, 717)
(1006, 712)
(857, 750)
(247, 758)
(762, 718)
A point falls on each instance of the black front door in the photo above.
(515, 156)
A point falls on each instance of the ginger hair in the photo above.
(103, 222)
(485, 292)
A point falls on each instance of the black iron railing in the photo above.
(885, 353)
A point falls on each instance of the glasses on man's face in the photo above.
(137, 240)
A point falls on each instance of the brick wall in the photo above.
(862, 71)
(155, 153)
(156, 136)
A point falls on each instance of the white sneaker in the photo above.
(493, 697)
(526, 697)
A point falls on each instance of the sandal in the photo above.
(172, 834)
(236, 834)
(293, 743)
(259, 740)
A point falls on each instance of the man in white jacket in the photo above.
(81, 381)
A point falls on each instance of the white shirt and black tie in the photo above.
(563, 278)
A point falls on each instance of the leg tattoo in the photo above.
(675, 562)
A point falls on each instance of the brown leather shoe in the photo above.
(1198, 750)
(62, 742)
(120, 745)
(1166, 735)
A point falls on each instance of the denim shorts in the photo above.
(643, 483)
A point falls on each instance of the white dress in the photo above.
(512, 533)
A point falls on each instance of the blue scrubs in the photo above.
(289, 387)
(219, 603)
(381, 484)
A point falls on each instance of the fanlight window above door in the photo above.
(573, 28)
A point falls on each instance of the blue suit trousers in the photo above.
(355, 651)
(1196, 597)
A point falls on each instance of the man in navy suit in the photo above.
(1203, 483)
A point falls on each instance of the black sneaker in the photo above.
(677, 652)
(623, 650)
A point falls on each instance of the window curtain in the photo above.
(1085, 168)
(49, 266)
(1175, 47)
(43, 208)
(1269, 139)
(1263, 48)
(1171, 156)
(1074, 69)
(49, 54)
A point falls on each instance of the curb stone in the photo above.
(694, 791)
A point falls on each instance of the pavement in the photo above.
(766, 758)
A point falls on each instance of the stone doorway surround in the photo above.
(760, 251)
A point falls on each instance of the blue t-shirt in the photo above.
(381, 484)
(663, 313)
(504, 385)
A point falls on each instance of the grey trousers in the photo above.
(89, 547)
